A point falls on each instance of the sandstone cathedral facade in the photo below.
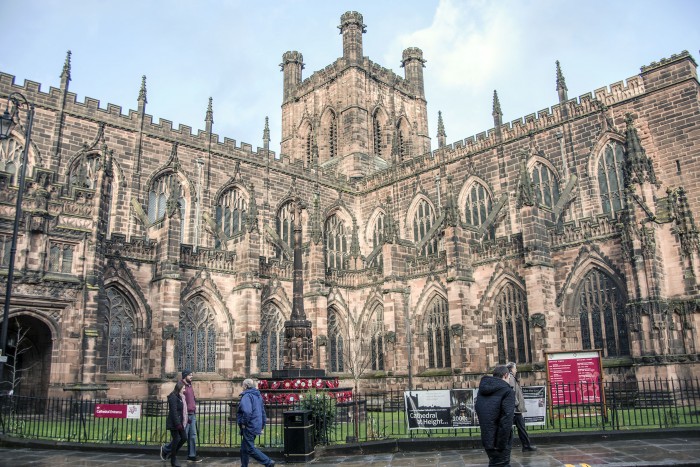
(144, 249)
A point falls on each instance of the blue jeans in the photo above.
(191, 431)
(248, 449)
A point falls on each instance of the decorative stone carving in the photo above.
(253, 337)
(457, 330)
(538, 320)
(169, 332)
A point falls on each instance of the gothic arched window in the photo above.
(271, 352)
(83, 173)
(611, 181)
(164, 187)
(333, 136)
(284, 226)
(376, 332)
(438, 334)
(11, 158)
(546, 185)
(378, 237)
(377, 133)
(120, 332)
(196, 344)
(601, 308)
(231, 211)
(512, 325)
(423, 220)
(336, 241)
(477, 208)
(335, 342)
(404, 149)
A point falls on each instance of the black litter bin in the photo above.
(298, 436)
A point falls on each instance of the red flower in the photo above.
(276, 384)
(287, 384)
(318, 384)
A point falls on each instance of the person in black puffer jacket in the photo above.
(176, 421)
(495, 406)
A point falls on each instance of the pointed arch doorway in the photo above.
(29, 347)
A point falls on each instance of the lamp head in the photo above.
(5, 124)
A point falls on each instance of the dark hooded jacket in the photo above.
(175, 407)
(495, 405)
(251, 411)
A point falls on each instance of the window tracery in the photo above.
(196, 344)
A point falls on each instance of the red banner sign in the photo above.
(575, 377)
(117, 410)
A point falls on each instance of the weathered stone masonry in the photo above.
(145, 248)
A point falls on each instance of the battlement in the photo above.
(667, 61)
(543, 120)
(113, 115)
(335, 69)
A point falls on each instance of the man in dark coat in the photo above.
(251, 420)
(495, 406)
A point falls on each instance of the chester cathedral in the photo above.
(144, 249)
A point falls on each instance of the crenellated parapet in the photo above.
(112, 115)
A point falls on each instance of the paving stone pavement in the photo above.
(612, 453)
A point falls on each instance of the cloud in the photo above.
(468, 44)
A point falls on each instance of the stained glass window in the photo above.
(333, 136)
(378, 237)
(284, 227)
(231, 212)
(602, 315)
(158, 197)
(83, 173)
(546, 185)
(478, 207)
(512, 325)
(120, 332)
(377, 339)
(196, 344)
(423, 220)
(438, 334)
(335, 342)
(611, 178)
(11, 158)
(336, 243)
(377, 133)
(271, 349)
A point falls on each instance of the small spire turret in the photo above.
(65, 74)
(561, 85)
(496, 112)
(142, 100)
(442, 137)
(266, 135)
(209, 118)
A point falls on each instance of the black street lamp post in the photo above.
(6, 122)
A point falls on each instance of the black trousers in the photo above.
(178, 439)
(499, 458)
(519, 423)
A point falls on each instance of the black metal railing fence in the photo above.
(374, 415)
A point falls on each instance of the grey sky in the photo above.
(231, 50)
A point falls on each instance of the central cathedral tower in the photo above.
(354, 117)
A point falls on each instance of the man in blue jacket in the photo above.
(251, 420)
(495, 406)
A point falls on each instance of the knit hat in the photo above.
(185, 373)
